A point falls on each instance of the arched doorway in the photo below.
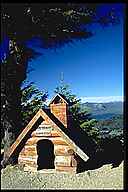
(45, 152)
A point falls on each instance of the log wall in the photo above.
(64, 157)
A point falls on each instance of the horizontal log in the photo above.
(30, 168)
(61, 154)
(44, 124)
(59, 141)
(27, 161)
(46, 134)
(55, 140)
(29, 150)
(27, 158)
(41, 134)
(63, 160)
(55, 133)
(65, 169)
(31, 141)
(31, 164)
(28, 153)
(61, 150)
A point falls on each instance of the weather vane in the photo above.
(61, 78)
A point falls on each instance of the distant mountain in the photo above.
(102, 111)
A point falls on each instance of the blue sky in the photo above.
(93, 68)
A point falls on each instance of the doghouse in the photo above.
(49, 142)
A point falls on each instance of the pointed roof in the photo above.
(63, 131)
(60, 96)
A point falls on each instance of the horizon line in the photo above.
(102, 99)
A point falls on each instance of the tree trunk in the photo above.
(12, 75)
(9, 138)
(11, 121)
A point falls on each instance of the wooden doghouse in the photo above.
(49, 142)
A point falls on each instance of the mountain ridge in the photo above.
(105, 110)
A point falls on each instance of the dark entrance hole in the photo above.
(45, 152)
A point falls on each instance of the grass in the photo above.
(106, 177)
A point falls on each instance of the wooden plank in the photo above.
(29, 150)
(61, 150)
(30, 168)
(28, 158)
(52, 133)
(63, 160)
(45, 132)
(81, 154)
(55, 140)
(55, 133)
(28, 153)
(66, 169)
(59, 153)
(59, 141)
(41, 134)
(32, 141)
(45, 124)
(27, 161)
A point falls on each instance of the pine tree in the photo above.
(31, 101)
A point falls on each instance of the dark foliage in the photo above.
(31, 101)
(111, 152)
(55, 23)
(112, 128)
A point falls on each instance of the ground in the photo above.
(106, 177)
